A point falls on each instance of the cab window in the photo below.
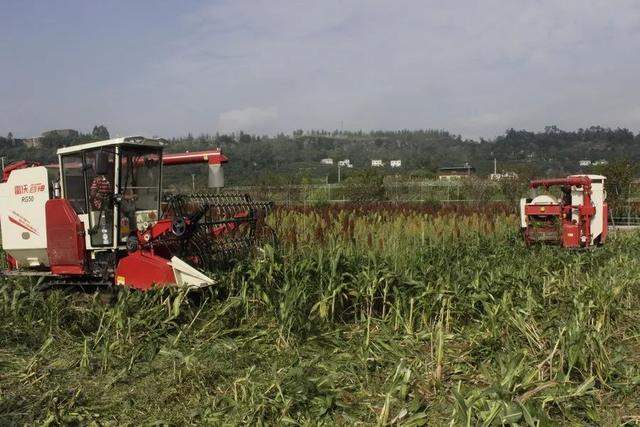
(99, 167)
(139, 189)
(73, 182)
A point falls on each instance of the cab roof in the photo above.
(136, 141)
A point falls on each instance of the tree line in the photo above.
(295, 158)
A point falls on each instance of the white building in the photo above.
(456, 172)
(376, 163)
(504, 175)
(346, 163)
(584, 163)
(600, 162)
(326, 161)
(34, 142)
(395, 163)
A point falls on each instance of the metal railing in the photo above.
(625, 221)
(397, 192)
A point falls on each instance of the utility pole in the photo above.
(193, 182)
(338, 172)
(495, 166)
(3, 157)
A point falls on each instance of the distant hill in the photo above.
(296, 157)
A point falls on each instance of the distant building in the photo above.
(456, 172)
(65, 133)
(395, 163)
(376, 163)
(503, 175)
(346, 163)
(495, 176)
(326, 161)
(585, 163)
(34, 142)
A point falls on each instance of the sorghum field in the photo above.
(372, 316)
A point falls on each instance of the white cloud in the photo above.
(248, 120)
(472, 67)
(475, 68)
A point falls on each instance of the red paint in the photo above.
(570, 236)
(212, 157)
(11, 263)
(28, 188)
(143, 270)
(576, 181)
(159, 228)
(21, 164)
(229, 226)
(65, 238)
(542, 210)
(25, 226)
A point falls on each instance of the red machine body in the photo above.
(65, 238)
(99, 217)
(576, 219)
(143, 270)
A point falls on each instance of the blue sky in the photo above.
(170, 67)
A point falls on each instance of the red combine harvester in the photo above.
(578, 219)
(98, 217)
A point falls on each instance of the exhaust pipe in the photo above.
(216, 175)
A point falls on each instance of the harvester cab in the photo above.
(99, 217)
(575, 218)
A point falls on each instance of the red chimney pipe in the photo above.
(572, 180)
(212, 157)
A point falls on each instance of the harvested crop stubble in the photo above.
(387, 317)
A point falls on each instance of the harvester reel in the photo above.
(213, 230)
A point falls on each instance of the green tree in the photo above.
(365, 186)
(619, 176)
(54, 141)
(100, 132)
(513, 189)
